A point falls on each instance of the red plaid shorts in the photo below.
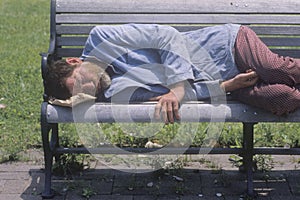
(279, 84)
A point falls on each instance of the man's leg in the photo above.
(278, 98)
(252, 53)
(276, 90)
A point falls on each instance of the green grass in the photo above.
(24, 33)
(24, 30)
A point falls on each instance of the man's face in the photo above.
(83, 80)
(88, 78)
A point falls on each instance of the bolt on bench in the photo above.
(276, 22)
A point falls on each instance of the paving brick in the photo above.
(18, 167)
(14, 175)
(15, 186)
(113, 197)
(294, 183)
(279, 188)
(19, 197)
(25, 181)
(2, 184)
(145, 197)
(103, 187)
(285, 197)
(35, 184)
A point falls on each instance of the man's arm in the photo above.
(240, 81)
(168, 104)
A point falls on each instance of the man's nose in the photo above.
(89, 88)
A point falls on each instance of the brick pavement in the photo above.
(216, 179)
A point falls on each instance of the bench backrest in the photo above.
(277, 22)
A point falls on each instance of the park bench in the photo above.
(276, 22)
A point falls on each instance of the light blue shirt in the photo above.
(154, 57)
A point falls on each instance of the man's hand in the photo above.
(168, 104)
(242, 80)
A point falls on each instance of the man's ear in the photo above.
(73, 61)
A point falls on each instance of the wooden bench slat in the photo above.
(71, 41)
(279, 41)
(271, 30)
(176, 19)
(295, 53)
(176, 6)
(190, 112)
(76, 52)
(69, 52)
(275, 41)
(85, 29)
(277, 30)
(73, 30)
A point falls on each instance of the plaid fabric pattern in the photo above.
(277, 89)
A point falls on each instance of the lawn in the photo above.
(24, 30)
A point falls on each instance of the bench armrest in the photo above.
(45, 59)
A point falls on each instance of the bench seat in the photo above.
(143, 112)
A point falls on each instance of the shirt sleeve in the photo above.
(208, 89)
(174, 54)
(110, 43)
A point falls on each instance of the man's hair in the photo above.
(55, 78)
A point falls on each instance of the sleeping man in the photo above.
(143, 62)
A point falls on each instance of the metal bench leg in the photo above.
(248, 155)
(48, 155)
(54, 142)
(48, 159)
